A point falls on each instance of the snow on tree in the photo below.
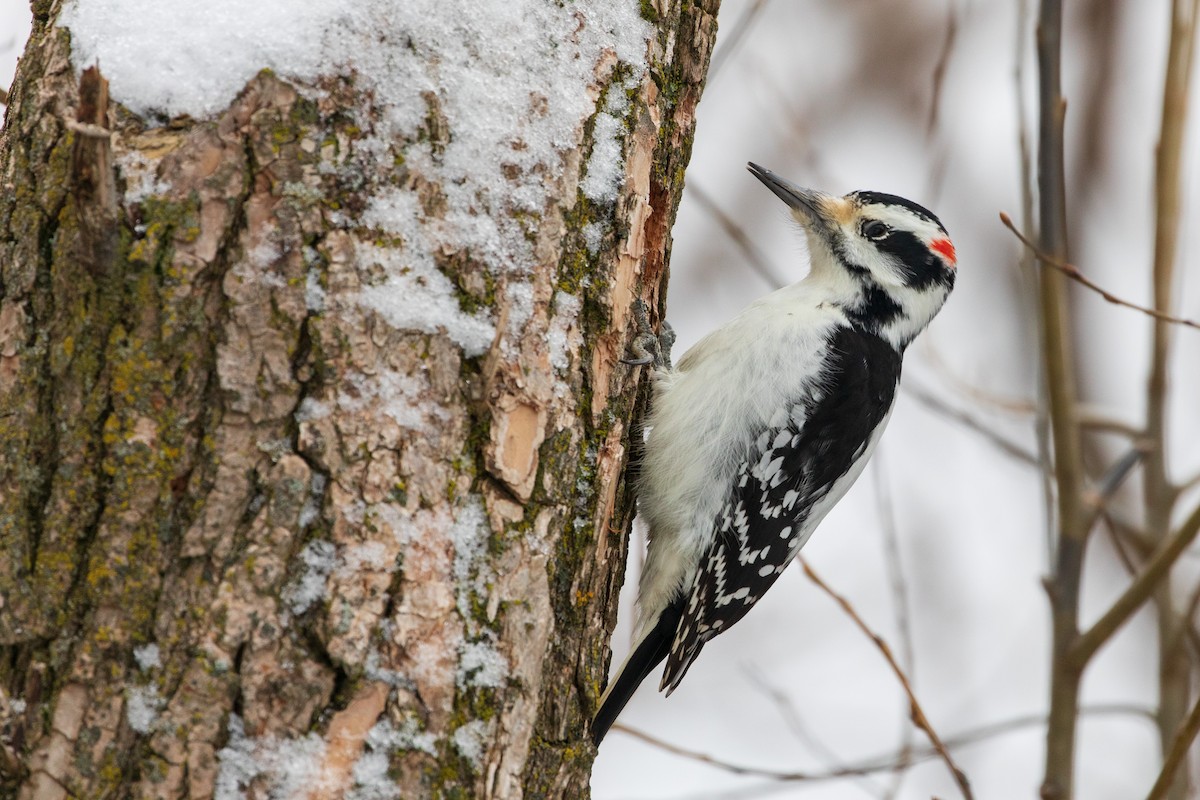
(312, 420)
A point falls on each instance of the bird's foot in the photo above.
(647, 346)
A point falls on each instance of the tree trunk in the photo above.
(285, 515)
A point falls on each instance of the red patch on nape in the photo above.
(945, 249)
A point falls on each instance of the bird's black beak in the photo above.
(809, 203)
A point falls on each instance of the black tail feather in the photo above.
(649, 654)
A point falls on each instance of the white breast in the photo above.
(703, 418)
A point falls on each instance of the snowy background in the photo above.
(917, 98)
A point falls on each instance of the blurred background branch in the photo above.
(1074, 273)
(916, 713)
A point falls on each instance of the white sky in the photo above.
(805, 97)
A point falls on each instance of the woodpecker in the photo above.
(767, 421)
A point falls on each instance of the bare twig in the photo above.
(732, 40)
(1189, 629)
(1178, 752)
(1099, 497)
(736, 769)
(884, 762)
(1159, 495)
(1058, 363)
(1137, 592)
(1073, 272)
(939, 69)
(791, 716)
(1094, 419)
(894, 565)
(1006, 403)
(1117, 474)
(918, 715)
(3, 97)
(1185, 632)
(755, 257)
(1119, 544)
(936, 404)
(1129, 533)
(1030, 274)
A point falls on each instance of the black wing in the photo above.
(787, 471)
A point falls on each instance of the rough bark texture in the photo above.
(194, 434)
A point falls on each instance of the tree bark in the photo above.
(262, 540)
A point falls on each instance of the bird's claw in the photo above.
(648, 347)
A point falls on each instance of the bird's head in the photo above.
(893, 256)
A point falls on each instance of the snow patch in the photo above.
(147, 657)
(314, 292)
(385, 736)
(311, 410)
(481, 664)
(520, 306)
(470, 740)
(403, 397)
(415, 295)
(593, 237)
(469, 534)
(374, 670)
(316, 496)
(566, 316)
(140, 175)
(142, 704)
(320, 560)
(606, 164)
(371, 556)
(371, 779)
(289, 767)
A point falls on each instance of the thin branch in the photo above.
(939, 406)
(939, 69)
(918, 716)
(1099, 497)
(1012, 405)
(1115, 536)
(894, 565)
(1058, 366)
(737, 769)
(1093, 419)
(1179, 747)
(791, 717)
(1185, 631)
(732, 40)
(1073, 272)
(1129, 533)
(1159, 495)
(757, 260)
(1137, 592)
(884, 762)
(1117, 474)
(1029, 273)
(1189, 629)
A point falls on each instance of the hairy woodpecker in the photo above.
(767, 421)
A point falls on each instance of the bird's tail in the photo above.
(647, 655)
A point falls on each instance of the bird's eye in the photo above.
(874, 229)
